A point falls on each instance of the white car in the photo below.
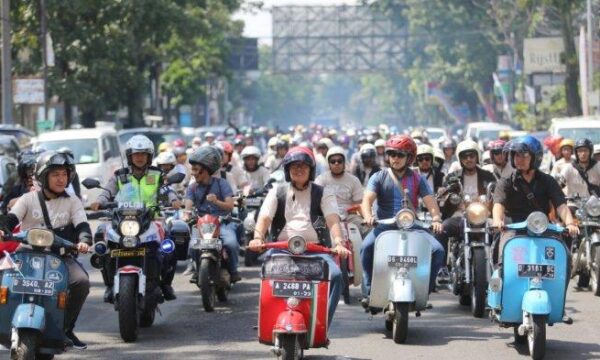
(577, 128)
(96, 151)
(485, 131)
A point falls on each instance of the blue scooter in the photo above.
(529, 290)
(33, 297)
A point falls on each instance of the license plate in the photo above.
(299, 289)
(209, 244)
(253, 202)
(408, 261)
(33, 287)
(534, 270)
(127, 253)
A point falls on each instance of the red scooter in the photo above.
(294, 298)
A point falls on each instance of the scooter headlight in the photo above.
(455, 199)
(405, 219)
(297, 245)
(592, 206)
(129, 228)
(40, 237)
(293, 302)
(208, 230)
(477, 213)
(537, 222)
(129, 241)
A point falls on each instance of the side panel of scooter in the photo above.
(356, 240)
(542, 251)
(314, 311)
(401, 243)
(494, 298)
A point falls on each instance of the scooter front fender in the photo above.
(402, 290)
(290, 322)
(29, 316)
(536, 302)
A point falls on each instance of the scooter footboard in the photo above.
(356, 240)
(29, 316)
(536, 302)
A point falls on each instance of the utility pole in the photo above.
(590, 47)
(44, 30)
(6, 65)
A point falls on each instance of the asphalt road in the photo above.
(186, 331)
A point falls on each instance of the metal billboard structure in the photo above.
(335, 39)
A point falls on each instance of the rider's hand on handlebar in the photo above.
(573, 230)
(95, 206)
(437, 227)
(341, 251)
(211, 198)
(370, 220)
(256, 245)
(498, 224)
(1, 236)
(176, 204)
(83, 248)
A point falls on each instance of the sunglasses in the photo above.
(336, 161)
(396, 154)
(424, 158)
(496, 152)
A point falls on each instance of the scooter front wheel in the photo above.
(290, 347)
(346, 280)
(207, 287)
(27, 345)
(536, 338)
(479, 284)
(400, 327)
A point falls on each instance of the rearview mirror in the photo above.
(90, 183)
(175, 178)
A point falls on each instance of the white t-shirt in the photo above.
(259, 178)
(297, 211)
(575, 183)
(347, 190)
(470, 185)
(62, 211)
(504, 173)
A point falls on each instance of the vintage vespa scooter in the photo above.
(33, 296)
(294, 298)
(401, 271)
(529, 290)
(350, 266)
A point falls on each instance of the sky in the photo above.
(258, 24)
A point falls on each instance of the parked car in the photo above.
(97, 153)
(157, 135)
(9, 146)
(24, 136)
(577, 128)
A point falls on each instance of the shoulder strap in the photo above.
(399, 185)
(316, 214)
(528, 193)
(203, 198)
(279, 219)
(44, 210)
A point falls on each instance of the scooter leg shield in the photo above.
(402, 290)
(536, 302)
(290, 322)
(29, 316)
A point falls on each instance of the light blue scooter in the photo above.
(33, 297)
(529, 290)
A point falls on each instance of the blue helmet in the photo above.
(528, 144)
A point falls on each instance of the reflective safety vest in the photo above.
(147, 186)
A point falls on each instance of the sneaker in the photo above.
(108, 295)
(235, 277)
(194, 278)
(567, 319)
(77, 344)
(190, 269)
(364, 302)
(168, 292)
(443, 276)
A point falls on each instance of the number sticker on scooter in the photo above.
(534, 270)
(33, 287)
(408, 261)
(299, 289)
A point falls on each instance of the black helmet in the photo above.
(299, 153)
(26, 165)
(281, 144)
(449, 144)
(583, 143)
(209, 157)
(50, 160)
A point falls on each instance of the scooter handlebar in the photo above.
(283, 245)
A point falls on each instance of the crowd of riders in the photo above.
(323, 172)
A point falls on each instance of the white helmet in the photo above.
(250, 151)
(139, 144)
(425, 149)
(325, 142)
(379, 142)
(166, 158)
(336, 150)
(272, 142)
(468, 145)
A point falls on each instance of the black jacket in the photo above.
(484, 178)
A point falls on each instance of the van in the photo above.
(485, 131)
(96, 152)
(577, 128)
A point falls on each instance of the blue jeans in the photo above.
(229, 237)
(438, 256)
(335, 280)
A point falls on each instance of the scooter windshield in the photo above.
(129, 197)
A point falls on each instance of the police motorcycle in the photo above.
(528, 292)
(132, 243)
(33, 296)
(586, 259)
(294, 299)
(211, 260)
(401, 271)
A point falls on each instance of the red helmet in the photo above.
(299, 153)
(552, 143)
(179, 143)
(403, 143)
(496, 145)
(227, 147)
